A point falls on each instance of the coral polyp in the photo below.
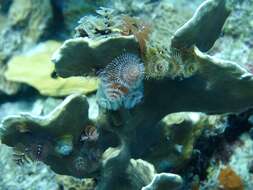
(157, 69)
(119, 79)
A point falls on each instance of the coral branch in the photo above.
(204, 27)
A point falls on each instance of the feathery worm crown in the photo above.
(119, 79)
(121, 75)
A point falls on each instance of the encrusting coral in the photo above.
(179, 78)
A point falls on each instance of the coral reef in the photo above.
(209, 82)
(235, 173)
(179, 134)
(27, 22)
(73, 10)
(169, 98)
(240, 10)
(34, 176)
(29, 176)
(215, 14)
(135, 7)
(53, 132)
(236, 42)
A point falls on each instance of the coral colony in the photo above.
(170, 135)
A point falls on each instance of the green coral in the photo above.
(60, 127)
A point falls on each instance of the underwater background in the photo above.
(126, 95)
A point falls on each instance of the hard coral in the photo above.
(135, 131)
(230, 180)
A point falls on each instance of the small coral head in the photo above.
(119, 78)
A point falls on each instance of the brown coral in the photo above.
(229, 180)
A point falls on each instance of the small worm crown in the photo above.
(121, 82)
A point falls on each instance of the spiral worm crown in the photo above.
(120, 80)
